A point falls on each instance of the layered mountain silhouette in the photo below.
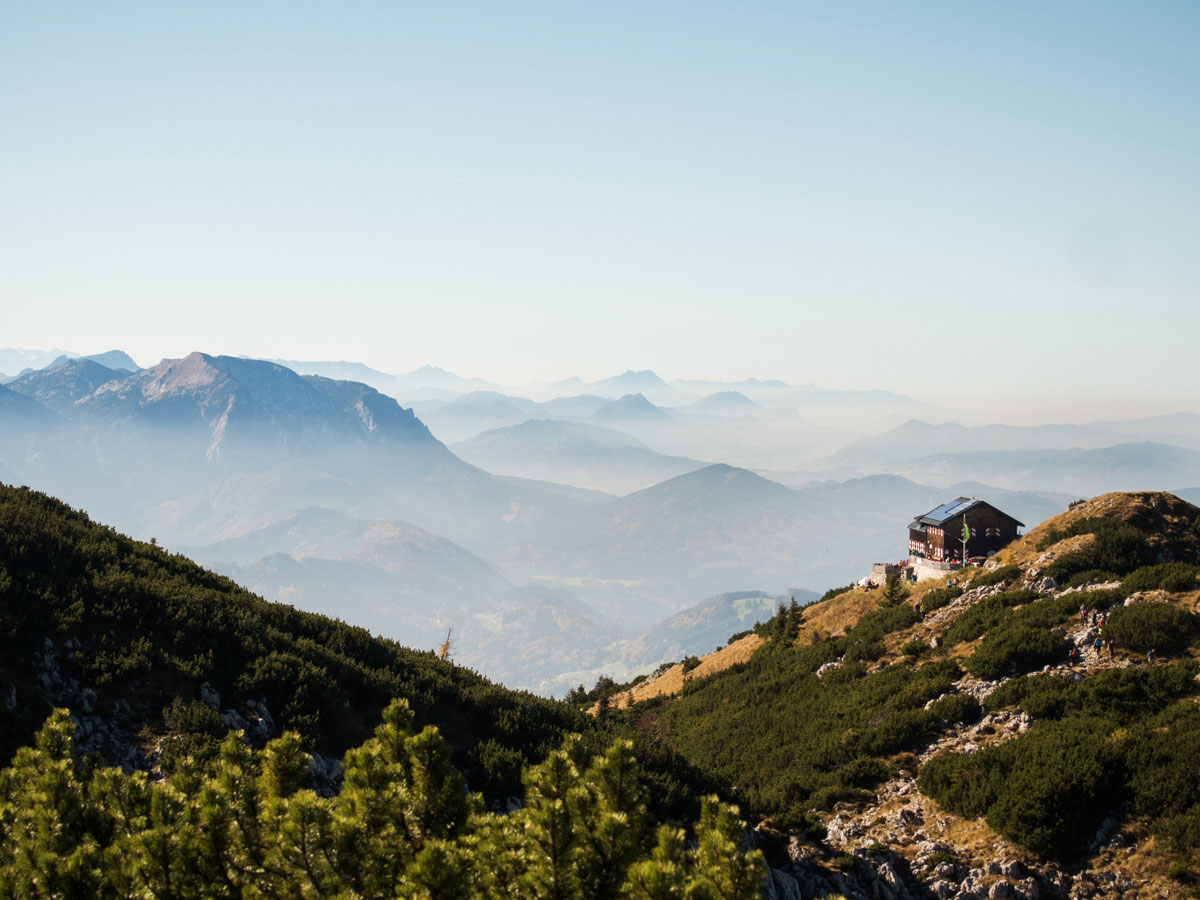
(631, 408)
(915, 439)
(1127, 467)
(64, 383)
(573, 453)
(724, 403)
(332, 495)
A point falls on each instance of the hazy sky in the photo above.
(990, 198)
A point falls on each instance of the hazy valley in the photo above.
(558, 533)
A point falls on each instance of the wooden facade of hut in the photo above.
(938, 535)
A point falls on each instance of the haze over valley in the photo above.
(558, 531)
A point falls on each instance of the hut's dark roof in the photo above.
(947, 511)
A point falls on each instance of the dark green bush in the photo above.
(956, 708)
(1173, 577)
(1164, 783)
(1118, 548)
(899, 730)
(914, 648)
(1042, 696)
(1117, 735)
(863, 773)
(863, 650)
(1048, 790)
(792, 741)
(985, 614)
(194, 731)
(826, 797)
(1080, 579)
(864, 642)
(1123, 694)
(939, 597)
(1144, 626)
(1016, 647)
(1004, 573)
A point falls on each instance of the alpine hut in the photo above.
(959, 530)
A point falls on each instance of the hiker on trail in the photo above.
(1099, 645)
(1083, 614)
(1150, 655)
(1073, 657)
(917, 607)
(1110, 648)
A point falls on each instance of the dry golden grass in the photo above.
(822, 619)
(672, 680)
(838, 613)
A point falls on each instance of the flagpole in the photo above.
(966, 536)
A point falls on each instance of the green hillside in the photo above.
(976, 702)
(128, 637)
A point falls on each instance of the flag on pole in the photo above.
(966, 531)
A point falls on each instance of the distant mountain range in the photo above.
(1150, 454)
(15, 361)
(573, 453)
(65, 381)
(331, 494)
(645, 382)
(1124, 467)
(916, 439)
(25, 361)
(724, 402)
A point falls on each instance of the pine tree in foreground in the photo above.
(403, 826)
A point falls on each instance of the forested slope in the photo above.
(157, 659)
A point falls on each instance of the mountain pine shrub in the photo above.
(1173, 577)
(1118, 734)
(940, 597)
(1015, 647)
(996, 576)
(403, 825)
(957, 708)
(1145, 626)
(1118, 548)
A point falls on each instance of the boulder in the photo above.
(233, 720)
(210, 696)
(781, 886)
(829, 667)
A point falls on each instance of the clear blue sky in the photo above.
(854, 194)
